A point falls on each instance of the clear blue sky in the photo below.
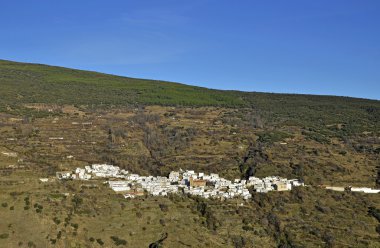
(295, 46)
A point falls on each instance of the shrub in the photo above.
(118, 241)
(31, 244)
(162, 222)
(77, 201)
(163, 207)
(4, 236)
(329, 239)
(248, 228)
(100, 241)
(374, 212)
(238, 241)
(56, 221)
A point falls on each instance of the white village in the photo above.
(179, 182)
(188, 182)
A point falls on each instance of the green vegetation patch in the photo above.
(273, 136)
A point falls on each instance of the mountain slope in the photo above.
(56, 119)
(48, 84)
(23, 83)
